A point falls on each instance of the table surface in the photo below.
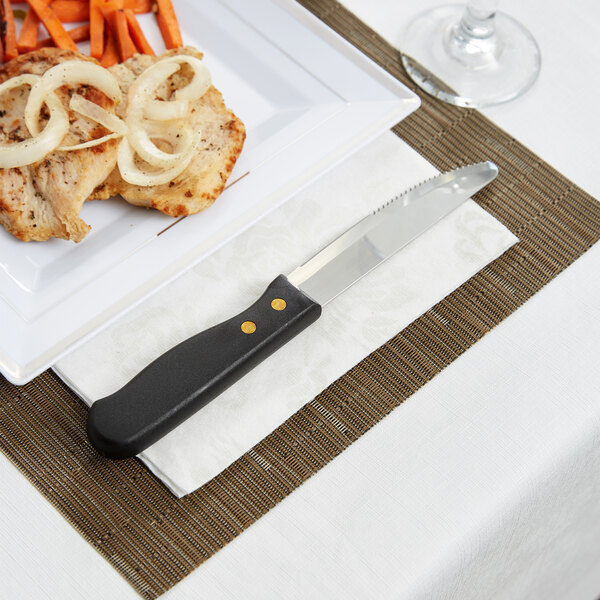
(484, 484)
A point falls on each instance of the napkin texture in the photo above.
(356, 323)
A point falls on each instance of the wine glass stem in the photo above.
(478, 19)
(473, 40)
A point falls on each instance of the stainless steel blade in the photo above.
(380, 235)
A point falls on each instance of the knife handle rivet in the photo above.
(278, 304)
(248, 327)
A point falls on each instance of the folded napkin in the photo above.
(355, 324)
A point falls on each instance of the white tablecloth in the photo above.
(485, 484)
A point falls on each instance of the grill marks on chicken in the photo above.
(222, 139)
(43, 200)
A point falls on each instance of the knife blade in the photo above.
(187, 377)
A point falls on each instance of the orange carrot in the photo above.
(96, 30)
(110, 56)
(71, 11)
(77, 34)
(29, 33)
(108, 7)
(126, 46)
(167, 23)
(138, 6)
(115, 17)
(52, 24)
(9, 33)
(137, 35)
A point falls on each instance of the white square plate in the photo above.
(308, 99)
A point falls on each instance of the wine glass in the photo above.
(470, 56)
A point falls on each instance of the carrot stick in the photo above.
(71, 11)
(29, 33)
(115, 17)
(167, 23)
(108, 7)
(52, 24)
(77, 34)
(137, 35)
(96, 30)
(111, 52)
(9, 32)
(126, 46)
(138, 6)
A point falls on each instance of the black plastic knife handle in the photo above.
(187, 377)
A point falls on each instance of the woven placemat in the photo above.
(155, 540)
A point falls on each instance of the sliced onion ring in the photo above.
(91, 110)
(36, 148)
(145, 121)
(134, 175)
(145, 86)
(200, 82)
(142, 106)
(70, 72)
(149, 80)
(140, 141)
(14, 82)
(143, 89)
(91, 143)
(162, 110)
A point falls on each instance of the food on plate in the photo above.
(52, 24)
(43, 185)
(167, 23)
(151, 129)
(8, 34)
(77, 34)
(110, 25)
(207, 141)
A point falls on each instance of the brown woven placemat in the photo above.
(155, 540)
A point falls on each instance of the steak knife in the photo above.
(187, 377)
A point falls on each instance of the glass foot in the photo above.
(452, 60)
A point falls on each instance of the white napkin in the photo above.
(352, 326)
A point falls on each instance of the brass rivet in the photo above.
(278, 304)
(248, 327)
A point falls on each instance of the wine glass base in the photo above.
(472, 80)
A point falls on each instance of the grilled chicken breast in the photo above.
(43, 200)
(222, 138)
